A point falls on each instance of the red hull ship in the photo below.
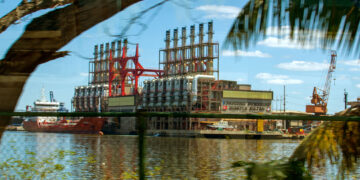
(85, 125)
(81, 125)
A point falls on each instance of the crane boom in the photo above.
(319, 102)
(332, 67)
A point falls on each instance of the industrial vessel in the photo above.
(78, 125)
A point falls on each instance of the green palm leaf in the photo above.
(331, 23)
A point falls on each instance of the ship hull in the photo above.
(85, 125)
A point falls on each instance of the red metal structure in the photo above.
(118, 68)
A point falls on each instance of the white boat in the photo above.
(43, 105)
(221, 125)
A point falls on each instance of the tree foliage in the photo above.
(330, 22)
(336, 141)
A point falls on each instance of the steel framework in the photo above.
(118, 68)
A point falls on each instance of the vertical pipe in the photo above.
(106, 62)
(93, 69)
(127, 65)
(192, 49)
(113, 49)
(118, 49)
(200, 62)
(218, 64)
(209, 64)
(183, 53)
(175, 64)
(167, 52)
(99, 69)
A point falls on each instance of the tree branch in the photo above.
(43, 37)
(25, 8)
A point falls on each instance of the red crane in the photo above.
(319, 101)
(123, 72)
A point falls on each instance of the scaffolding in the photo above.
(190, 59)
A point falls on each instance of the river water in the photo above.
(115, 156)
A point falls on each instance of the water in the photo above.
(115, 156)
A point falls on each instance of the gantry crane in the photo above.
(319, 101)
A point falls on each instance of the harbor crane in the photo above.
(319, 101)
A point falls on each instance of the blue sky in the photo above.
(267, 65)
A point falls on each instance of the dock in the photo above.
(222, 134)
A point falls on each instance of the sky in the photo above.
(270, 64)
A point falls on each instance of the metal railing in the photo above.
(140, 118)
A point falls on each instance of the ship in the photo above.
(78, 125)
(220, 125)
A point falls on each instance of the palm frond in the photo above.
(331, 23)
(336, 141)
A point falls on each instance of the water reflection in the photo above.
(116, 156)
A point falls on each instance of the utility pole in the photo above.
(345, 98)
(287, 122)
(284, 100)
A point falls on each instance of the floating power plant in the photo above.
(187, 81)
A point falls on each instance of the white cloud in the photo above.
(285, 31)
(356, 77)
(284, 81)
(342, 77)
(295, 92)
(355, 64)
(84, 74)
(239, 80)
(351, 62)
(277, 79)
(219, 12)
(256, 53)
(354, 69)
(303, 66)
(284, 42)
(358, 85)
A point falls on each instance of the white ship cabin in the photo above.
(43, 105)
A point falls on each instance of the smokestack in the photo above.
(176, 38)
(192, 35)
(192, 48)
(125, 44)
(201, 33)
(210, 31)
(183, 52)
(183, 36)
(167, 39)
(113, 49)
(105, 64)
(96, 55)
(119, 48)
(201, 48)
(101, 51)
(107, 51)
(167, 52)
(175, 66)
(209, 64)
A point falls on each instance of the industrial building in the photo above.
(184, 82)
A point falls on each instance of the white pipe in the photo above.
(194, 85)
